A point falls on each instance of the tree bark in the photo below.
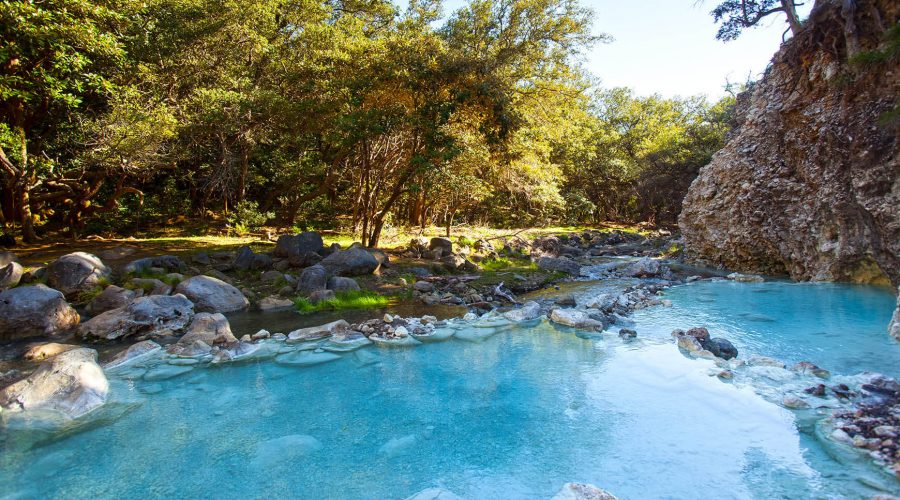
(790, 9)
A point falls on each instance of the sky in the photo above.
(669, 47)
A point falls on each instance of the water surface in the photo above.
(511, 412)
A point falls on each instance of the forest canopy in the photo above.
(357, 114)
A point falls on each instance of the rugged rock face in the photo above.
(809, 183)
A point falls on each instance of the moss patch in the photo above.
(361, 299)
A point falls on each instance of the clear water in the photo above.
(510, 412)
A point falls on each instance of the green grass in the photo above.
(360, 299)
(505, 264)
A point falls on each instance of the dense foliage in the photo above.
(327, 112)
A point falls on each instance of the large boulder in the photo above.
(212, 295)
(156, 315)
(112, 297)
(312, 278)
(289, 246)
(894, 325)
(76, 272)
(341, 284)
(10, 275)
(169, 263)
(28, 311)
(561, 264)
(318, 332)
(45, 350)
(809, 181)
(351, 262)
(134, 352)
(71, 383)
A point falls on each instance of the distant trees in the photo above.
(736, 15)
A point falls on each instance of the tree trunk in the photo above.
(450, 221)
(790, 9)
(23, 197)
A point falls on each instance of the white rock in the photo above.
(581, 491)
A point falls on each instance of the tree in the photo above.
(56, 57)
(737, 15)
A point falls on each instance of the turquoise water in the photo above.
(510, 412)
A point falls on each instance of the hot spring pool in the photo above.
(510, 411)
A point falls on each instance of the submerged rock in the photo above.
(434, 494)
(156, 315)
(581, 491)
(76, 272)
(212, 295)
(71, 383)
(306, 358)
(285, 450)
(28, 311)
(206, 330)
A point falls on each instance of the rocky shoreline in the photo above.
(175, 313)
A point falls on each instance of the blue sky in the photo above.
(669, 47)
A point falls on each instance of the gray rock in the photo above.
(76, 272)
(318, 332)
(350, 262)
(133, 353)
(567, 300)
(156, 315)
(627, 333)
(423, 286)
(304, 259)
(212, 295)
(720, 348)
(645, 267)
(445, 245)
(10, 275)
(575, 319)
(275, 304)
(28, 311)
(293, 245)
(152, 286)
(529, 311)
(311, 279)
(206, 329)
(169, 263)
(247, 260)
(453, 262)
(341, 284)
(112, 297)
(561, 264)
(71, 383)
(320, 295)
(580, 491)
(201, 258)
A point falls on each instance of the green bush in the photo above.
(247, 218)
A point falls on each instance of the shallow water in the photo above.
(509, 412)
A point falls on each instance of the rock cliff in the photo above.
(809, 182)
